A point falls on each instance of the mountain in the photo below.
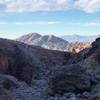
(79, 38)
(47, 41)
(28, 72)
(55, 43)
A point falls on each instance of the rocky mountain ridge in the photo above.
(47, 41)
(52, 42)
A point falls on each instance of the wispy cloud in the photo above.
(4, 23)
(92, 24)
(88, 6)
(31, 23)
(86, 24)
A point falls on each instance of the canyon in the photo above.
(28, 72)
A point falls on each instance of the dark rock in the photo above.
(4, 94)
(86, 95)
(8, 82)
(95, 77)
(95, 97)
(70, 78)
(95, 89)
(98, 56)
(96, 43)
(3, 62)
(28, 62)
(68, 95)
(78, 57)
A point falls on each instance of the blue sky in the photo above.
(58, 17)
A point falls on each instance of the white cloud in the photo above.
(34, 5)
(37, 23)
(88, 6)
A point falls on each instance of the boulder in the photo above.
(4, 94)
(95, 97)
(7, 83)
(69, 78)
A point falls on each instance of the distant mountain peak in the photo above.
(27, 38)
(33, 34)
(47, 41)
(79, 38)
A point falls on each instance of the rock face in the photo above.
(22, 61)
(16, 61)
(70, 78)
(76, 47)
(47, 41)
(3, 62)
(88, 58)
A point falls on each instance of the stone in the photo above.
(69, 78)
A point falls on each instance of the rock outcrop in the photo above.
(70, 78)
(76, 47)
